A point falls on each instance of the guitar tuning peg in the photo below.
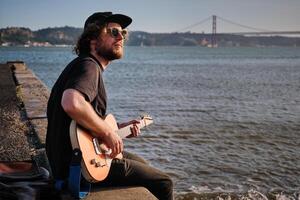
(144, 115)
(141, 116)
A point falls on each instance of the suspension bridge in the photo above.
(253, 30)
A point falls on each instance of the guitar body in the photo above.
(96, 161)
(83, 140)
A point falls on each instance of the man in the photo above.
(79, 94)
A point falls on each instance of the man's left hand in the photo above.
(135, 130)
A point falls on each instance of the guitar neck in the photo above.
(126, 131)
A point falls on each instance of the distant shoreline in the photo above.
(65, 36)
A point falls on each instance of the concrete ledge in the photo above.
(40, 128)
(132, 193)
(117, 193)
(13, 131)
(34, 95)
(18, 64)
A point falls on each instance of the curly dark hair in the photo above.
(91, 32)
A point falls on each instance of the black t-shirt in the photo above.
(83, 74)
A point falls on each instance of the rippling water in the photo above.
(226, 119)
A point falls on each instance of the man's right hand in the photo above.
(114, 142)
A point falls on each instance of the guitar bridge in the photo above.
(96, 146)
(99, 151)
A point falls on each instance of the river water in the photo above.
(226, 120)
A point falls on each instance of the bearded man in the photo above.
(79, 94)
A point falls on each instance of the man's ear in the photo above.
(93, 42)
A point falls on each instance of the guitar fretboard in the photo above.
(125, 131)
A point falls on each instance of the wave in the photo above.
(249, 195)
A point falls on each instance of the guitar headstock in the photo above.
(147, 119)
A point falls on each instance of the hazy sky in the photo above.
(155, 15)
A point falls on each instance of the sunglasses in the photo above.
(114, 32)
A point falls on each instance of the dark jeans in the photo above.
(132, 170)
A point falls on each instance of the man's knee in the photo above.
(167, 189)
(167, 184)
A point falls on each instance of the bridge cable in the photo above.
(241, 25)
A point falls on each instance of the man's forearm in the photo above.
(75, 105)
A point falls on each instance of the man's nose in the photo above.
(120, 36)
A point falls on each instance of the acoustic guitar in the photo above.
(96, 158)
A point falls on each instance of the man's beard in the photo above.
(108, 54)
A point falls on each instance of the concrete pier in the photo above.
(23, 124)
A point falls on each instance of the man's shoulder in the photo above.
(83, 63)
(86, 60)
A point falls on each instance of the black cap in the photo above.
(105, 17)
